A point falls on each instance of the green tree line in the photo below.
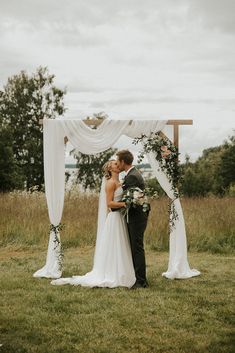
(212, 173)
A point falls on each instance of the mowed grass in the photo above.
(180, 316)
(24, 222)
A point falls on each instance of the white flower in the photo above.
(138, 194)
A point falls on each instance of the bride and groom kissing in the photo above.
(119, 258)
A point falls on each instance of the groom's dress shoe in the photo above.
(145, 285)
(139, 285)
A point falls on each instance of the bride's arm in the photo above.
(110, 188)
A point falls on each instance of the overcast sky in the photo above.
(137, 59)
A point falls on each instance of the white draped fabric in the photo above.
(54, 176)
(92, 141)
(178, 266)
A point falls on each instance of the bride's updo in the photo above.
(107, 169)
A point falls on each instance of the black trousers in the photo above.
(136, 227)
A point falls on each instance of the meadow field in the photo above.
(24, 222)
(179, 316)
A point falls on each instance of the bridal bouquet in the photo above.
(134, 197)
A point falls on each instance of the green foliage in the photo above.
(165, 153)
(90, 167)
(154, 185)
(57, 243)
(231, 190)
(227, 170)
(212, 173)
(24, 100)
(11, 175)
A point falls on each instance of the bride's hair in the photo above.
(106, 169)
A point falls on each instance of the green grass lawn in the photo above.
(193, 315)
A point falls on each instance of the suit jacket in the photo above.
(133, 179)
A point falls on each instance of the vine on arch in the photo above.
(166, 153)
(57, 244)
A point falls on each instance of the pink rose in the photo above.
(165, 152)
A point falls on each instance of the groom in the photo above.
(137, 218)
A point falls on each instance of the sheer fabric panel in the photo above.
(178, 266)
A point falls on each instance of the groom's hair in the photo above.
(126, 156)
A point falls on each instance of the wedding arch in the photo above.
(92, 141)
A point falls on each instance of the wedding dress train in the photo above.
(113, 265)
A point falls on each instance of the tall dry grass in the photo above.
(210, 222)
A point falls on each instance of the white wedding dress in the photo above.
(113, 265)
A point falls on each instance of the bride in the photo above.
(113, 265)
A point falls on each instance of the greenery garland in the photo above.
(166, 153)
(58, 248)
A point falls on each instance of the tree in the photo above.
(196, 182)
(227, 170)
(90, 166)
(154, 186)
(24, 100)
(212, 173)
(11, 176)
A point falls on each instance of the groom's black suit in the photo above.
(136, 226)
